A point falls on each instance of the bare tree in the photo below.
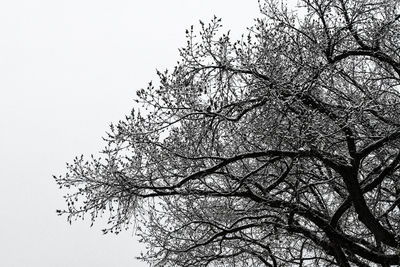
(280, 149)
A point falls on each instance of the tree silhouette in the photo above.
(280, 149)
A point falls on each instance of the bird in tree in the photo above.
(279, 149)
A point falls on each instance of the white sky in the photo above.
(68, 68)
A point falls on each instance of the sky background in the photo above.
(68, 68)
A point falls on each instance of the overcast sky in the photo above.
(68, 68)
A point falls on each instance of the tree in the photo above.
(280, 149)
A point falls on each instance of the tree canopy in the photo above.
(279, 149)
